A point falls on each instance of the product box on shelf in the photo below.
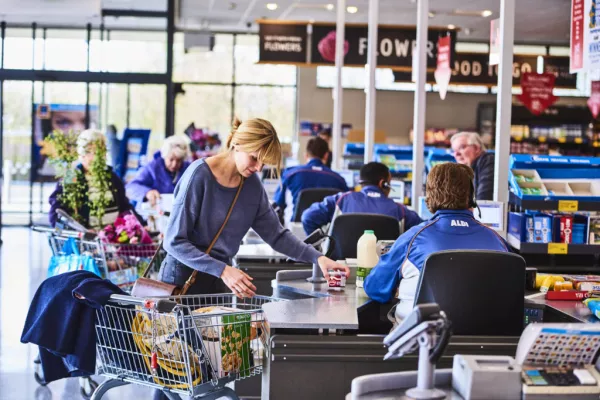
(542, 228)
(527, 183)
(520, 226)
(593, 231)
(562, 228)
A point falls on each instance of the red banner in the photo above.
(594, 100)
(576, 55)
(537, 91)
(443, 72)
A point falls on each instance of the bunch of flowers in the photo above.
(125, 230)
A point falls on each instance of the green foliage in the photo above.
(99, 181)
(61, 149)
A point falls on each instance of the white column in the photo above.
(370, 109)
(504, 99)
(419, 107)
(337, 89)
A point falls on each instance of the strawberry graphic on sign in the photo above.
(537, 91)
(594, 100)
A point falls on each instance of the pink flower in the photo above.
(134, 240)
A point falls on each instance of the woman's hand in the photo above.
(239, 282)
(153, 196)
(326, 264)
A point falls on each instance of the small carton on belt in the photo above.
(337, 280)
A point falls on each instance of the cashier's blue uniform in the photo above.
(370, 199)
(401, 267)
(314, 174)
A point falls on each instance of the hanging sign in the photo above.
(443, 72)
(585, 35)
(594, 100)
(283, 42)
(474, 69)
(495, 42)
(394, 45)
(537, 92)
(559, 66)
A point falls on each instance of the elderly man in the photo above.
(468, 149)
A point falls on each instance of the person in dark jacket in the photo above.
(161, 175)
(118, 201)
(315, 174)
(61, 321)
(469, 150)
(452, 227)
(375, 179)
(325, 134)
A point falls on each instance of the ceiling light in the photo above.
(352, 9)
(486, 13)
(272, 6)
(329, 7)
(451, 26)
(311, 21)
(431, 14)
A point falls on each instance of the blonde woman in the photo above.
(161, 175)
(202, 199)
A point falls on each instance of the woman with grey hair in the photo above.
(117, 200)
(469, 149)
(161, 175)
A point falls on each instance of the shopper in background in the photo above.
(315, 174)
(453, 227)
(162, 174)
(325, 134)
(468, 149)
(203, 197)
(118, 201)
(375, 179)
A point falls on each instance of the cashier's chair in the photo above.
(481, 292)
(307, 197)
(346, 229)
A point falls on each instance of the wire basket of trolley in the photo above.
(82, 249)
(182, 345)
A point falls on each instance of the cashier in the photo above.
(468, 149)
(375, 179)
(453, 227)
(314, 174)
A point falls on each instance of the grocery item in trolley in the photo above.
(226, 334)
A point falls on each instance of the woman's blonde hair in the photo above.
(256, 135)
(449, 187)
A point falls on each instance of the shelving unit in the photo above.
(553, 248)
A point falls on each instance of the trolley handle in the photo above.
(160, 305)
(65, 233)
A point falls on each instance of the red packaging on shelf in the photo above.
(568, 295)
(566, 228)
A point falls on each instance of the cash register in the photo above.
(553, 361)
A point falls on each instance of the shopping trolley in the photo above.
(182, 345)
(119, 263)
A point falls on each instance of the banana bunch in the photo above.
(546, 282)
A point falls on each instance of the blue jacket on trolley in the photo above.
(310, 176)
(370, 199)
(446, 230)
(154, 176)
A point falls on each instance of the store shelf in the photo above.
(551, 204)
(546, 248)
(542, 139)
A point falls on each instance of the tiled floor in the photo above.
(24, 258)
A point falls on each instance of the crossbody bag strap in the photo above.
(192, 279)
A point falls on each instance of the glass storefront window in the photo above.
(207, 106)
(129, 52)
(18, 48)
(147, 107)
(66, 50)
(276, 104)
(203, 65)
(248, 71)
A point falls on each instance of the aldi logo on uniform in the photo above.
(457, 222)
